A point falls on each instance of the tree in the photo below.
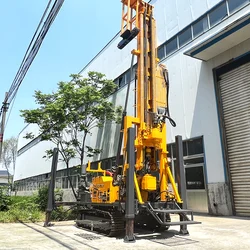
(67, 116)
(9, 154)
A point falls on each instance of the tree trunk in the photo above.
(70, 182)
(8, 176)
(83, 145)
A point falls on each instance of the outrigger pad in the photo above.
(128, 36)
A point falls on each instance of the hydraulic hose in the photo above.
(167, 111)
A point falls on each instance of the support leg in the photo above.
(51, 196)
(130, 190)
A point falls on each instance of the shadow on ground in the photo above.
(54, 238)
(167, 238)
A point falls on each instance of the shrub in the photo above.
(22, 208)
(31, 208)
(25, 215)
(4, 199)
(61, 214)
(42, 197)
(24, 203)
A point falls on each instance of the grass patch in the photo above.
(31, 208)
(22, 208)
(17, 215)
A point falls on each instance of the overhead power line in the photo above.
(33, 48)
(31, 42)
(44, 25)
(35, 45)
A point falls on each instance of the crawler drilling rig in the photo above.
(137, 190)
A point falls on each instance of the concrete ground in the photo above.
(213, 233)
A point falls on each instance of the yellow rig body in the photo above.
(151, 107)
(103, 191)
(101, 188)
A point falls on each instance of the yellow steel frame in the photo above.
(98, 170)
(150, 94)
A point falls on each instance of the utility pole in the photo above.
(4, 110)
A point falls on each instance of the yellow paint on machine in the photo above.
(148, 183)
(103, 191)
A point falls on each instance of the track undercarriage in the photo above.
(110, 219)
(105, 220)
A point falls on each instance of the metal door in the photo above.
(234, 88)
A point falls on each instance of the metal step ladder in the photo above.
(159, 215)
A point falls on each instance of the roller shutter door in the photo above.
(234, 89)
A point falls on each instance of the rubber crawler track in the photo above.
(116, 222)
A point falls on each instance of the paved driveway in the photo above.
(213, 233)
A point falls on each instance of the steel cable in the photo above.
(33, 48)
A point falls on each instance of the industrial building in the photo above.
(5, 178)
(205, 46)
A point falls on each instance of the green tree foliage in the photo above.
(68, 115)
(42, 198)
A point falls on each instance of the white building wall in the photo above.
(193, 104)
(32, 161)
(171, 17)
(29, 128)
(192, 95)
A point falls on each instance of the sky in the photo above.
(81, 29)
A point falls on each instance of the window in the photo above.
(200, 26)
(218, 14)
(184, 147)
(195, 146)
(195, 178)
(121, 80)
(74, 181)
(161, 52)
(192, 161)
(185, 37)
(236, 4)
(128, 76)
(116, 81)
(134, 71)
(171, 46)
(58, 183)
(64, 182)
(185, 153)
(59, 173)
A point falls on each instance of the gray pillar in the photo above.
(51, 193)
(130, 189)
(181, 180)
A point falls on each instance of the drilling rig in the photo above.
(137, 192)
